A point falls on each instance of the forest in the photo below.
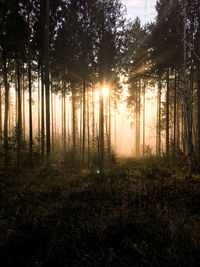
(99, 134)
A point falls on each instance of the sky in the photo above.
(144, 9)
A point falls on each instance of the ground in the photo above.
(139, 213)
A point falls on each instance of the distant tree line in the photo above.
(166, 56)
(65, 46)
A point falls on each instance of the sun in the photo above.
(105, 92)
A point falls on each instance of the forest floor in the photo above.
(140, 213)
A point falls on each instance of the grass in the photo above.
(140, 213)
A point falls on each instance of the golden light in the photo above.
(96, 96)
(105, 92)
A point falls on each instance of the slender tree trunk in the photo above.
(30, 88)
(42, 109)
(16, 99)
(52, 121)
(6, 86)
(175, 112)
(93, 121)
(167, 113)
(24, 105)
(38, 100)
(158, 130)
(0, 116)
(198, 84)
(186, 100)
(68, 129)
(73, 122)
(19, 123)
(81, 122)
(106, 119)
(19, 96)
(144, 119)
(55, 117)
(101, 132)
(115, 125)
(84, 120)
(64, 118)
(138, 120)
(178, 113)
(109, 124)
(192, 101)
(46, 55)
(88, 127)
(30, 105)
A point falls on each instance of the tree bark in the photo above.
(64, 118)
(38, 99)
(175, 112)
(84, 120)
(144, 119)
(24, 105)
(46, 56)
(137, 141)
(52, 121)
(167, 113)
(73, 122)
(109, 124)
(6, 86)
(88, 128)
(101, 132)
(0, 116)
(42, 112)
(158, 130)
(198, 84)
(186, 99)
(30, 105)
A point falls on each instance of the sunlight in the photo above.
(96, 96)
(105, 92)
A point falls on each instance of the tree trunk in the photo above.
(198, 84)
(109, 125)
(52, 121)
(144, 119)
(73, 122)
(115, 124)
(137, 141)
(24, 106)
(64, 118)
(42, 109)
(46, 56)
(93, 121)
(186, 100)
(19, 97)
(158, 130)
(84, 120)
(0, 117)
(81, 123)
(167, 113)
(19, 123)
(38, 100)
(101, 132)
(88, 127)
(175, 112)
(30, 105)
(16, 99)
(6, 86)
(55, 117)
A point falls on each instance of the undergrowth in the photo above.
(139, 213)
